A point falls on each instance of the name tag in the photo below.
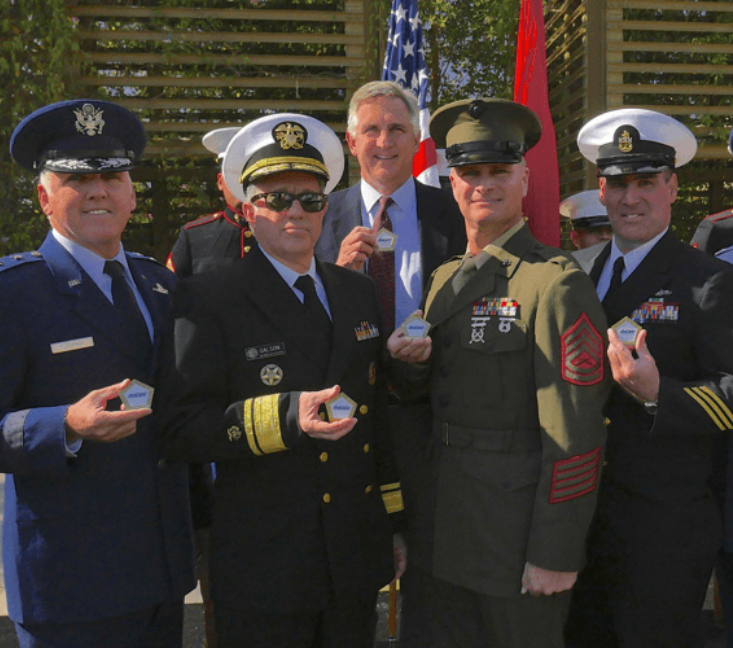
(72, 345)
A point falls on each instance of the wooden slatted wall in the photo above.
(186, 71)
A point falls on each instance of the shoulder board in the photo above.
(205, 220)
(142, 257)
(17, 260)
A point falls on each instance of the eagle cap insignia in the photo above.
(89, 120)
(625, 142)
(290, 135)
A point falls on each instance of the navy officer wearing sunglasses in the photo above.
(278, 378)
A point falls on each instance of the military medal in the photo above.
(627, 331)
(386, 240)
(340, 407)
(416, 327)
(137, 395)
(656, 310)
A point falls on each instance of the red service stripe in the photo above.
(557, 494)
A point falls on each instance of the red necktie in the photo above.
(382, 270)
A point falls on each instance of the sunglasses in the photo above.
(282, 200)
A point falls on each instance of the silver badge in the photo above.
(271, 375)
(477, 329)
(89, 120)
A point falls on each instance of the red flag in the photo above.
(542, 203)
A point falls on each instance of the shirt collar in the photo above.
(633, 258)
(91, 262)
(405, 197)
(289, 275)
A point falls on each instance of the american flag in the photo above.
(404, 62)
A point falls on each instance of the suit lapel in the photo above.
(597, 268)
(344, 337)
(89, 303)
(156, 300)
(433, 229)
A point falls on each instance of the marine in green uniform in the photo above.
(516, 374)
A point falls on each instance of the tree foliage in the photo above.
(40, 63)
(470, 48)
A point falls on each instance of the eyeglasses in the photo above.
(282, 200)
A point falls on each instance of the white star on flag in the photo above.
(404, 63)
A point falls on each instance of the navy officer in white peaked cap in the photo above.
(657, 528)
(301, 539)
(97, 542)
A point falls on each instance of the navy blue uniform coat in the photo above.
(108, 532)
(295, 526)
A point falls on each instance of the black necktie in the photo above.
(618, 268)
(317, 321)
(129, 311)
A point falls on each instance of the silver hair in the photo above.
(383, 89)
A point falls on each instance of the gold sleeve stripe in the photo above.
(249, 426)
(267, 424)
(725, 413)
(392, 497)
(709, 405)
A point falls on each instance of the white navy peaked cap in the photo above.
(585, 210)
(218, 140)
(635, 140)
(279, 143)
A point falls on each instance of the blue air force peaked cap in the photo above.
(78, 136)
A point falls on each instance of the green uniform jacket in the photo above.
(517, 381)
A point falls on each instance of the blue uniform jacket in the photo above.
(107, 532)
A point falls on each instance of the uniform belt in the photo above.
(517, 440)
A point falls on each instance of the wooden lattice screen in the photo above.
(188, 70)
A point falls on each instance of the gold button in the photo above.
(326, 498)
(323, 416)
(247, 248)
(368, 489)
(324, 457)
(248, 233)
(607, 421)
(366, 447)
(363, 409)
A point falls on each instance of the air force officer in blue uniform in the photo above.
(96, 538)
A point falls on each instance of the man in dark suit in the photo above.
(216, 239)
(384, 135)
(301, 541)
(657, 528)
(96, 538)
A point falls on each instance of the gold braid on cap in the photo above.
(285, 163)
